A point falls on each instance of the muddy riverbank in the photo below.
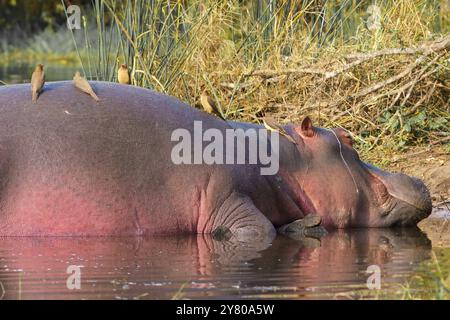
(432, 165)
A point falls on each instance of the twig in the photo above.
(333, 74)
(426, 49)
(445, 139)
(397, 96)
(384, 83)
(384, 52)
(421, 73)
(392, 79)
(421, 100)
(274, 73)
(395, 78)
(404, 156)
(398, 91)
(445, 202)
(238, 86)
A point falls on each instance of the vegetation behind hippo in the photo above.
(275, 57)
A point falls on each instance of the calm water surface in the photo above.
(21, 72)
(200, 267)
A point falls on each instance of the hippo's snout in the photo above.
(423, 201)
(411, 195)
(409, 200)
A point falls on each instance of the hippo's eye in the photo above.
(347, 139)
(344, 136)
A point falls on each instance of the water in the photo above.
(21, 72)
(197, 266)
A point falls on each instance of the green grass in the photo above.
(432, 281)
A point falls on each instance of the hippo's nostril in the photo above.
(424, 201)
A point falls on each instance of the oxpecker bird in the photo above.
(123, 76)
(37, 81)
(209, 105)
(272, 125)
(82, 84)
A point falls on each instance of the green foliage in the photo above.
(432, 280)
(30, 16)
(409, 128)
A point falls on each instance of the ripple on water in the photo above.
(190, 267)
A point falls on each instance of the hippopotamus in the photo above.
(71, 166)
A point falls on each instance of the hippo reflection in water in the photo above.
(157, 267)
(72, 167)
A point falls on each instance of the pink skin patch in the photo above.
(76, 207)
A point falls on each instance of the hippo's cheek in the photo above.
(343, 218)
(336, 210)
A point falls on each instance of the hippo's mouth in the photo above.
(298, 195)
(304, 203)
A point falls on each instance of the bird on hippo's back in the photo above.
(209, 105)
(82, 84)
(123, 75)
(37, 82)
(272, 125)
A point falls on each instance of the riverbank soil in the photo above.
(432, 165)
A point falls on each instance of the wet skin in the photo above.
(70, 166)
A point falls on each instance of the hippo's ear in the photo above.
(306, 128)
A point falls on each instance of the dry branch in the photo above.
(426, 49)
(275, 73)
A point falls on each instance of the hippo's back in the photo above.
(61, 104)
(92, 168)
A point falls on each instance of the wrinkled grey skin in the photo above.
(71, 166)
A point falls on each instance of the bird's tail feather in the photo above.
(94, 96)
